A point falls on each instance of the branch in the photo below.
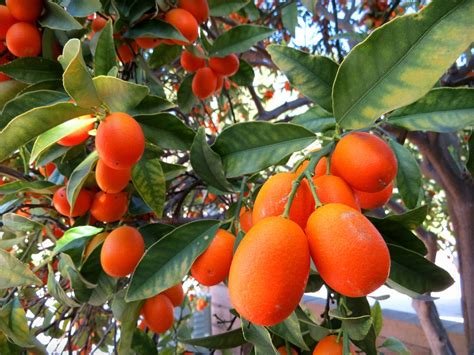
(291, 105)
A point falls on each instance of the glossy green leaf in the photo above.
(167, 261)
(76, 78)
(19, 223)
(39, 187)
(227, 340)
(289, 17)
(410, 219)
(32, 69)
(412, 274)
(312, 75)
(245, 74)
(32, 123)
(119, 95)
(154, 29)
(153, 232)
(69, 270)
(151, 105)
(79, 177)
(394, 345)
(8, 90)
(75, 237)
(167, 131)
(164, 54)
(15, 273)
(377, 318)
(57, 18)
(55, 290)
(225, 7)
(249, 147)
(316, 119)
(360, 308)
(14, 324)
(82, 8)
(186, 98)
(259, 337)
(148, 179)
(27, 101)
(52, 153)
(50, 137)
(239, 39)
(142, 343)
(427, 43)
(127, 313)
(441, 110)
(172, 171)
(54, 85)
(207, 164)
(290, 330)
(104, 57)
(408, 175)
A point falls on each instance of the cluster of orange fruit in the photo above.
(120, 143)
(19, 31)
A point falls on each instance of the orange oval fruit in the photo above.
(175, 294)
(148, 42)
(245, 218)
(269, 271)
(47, 170)
(23, 40)
(364, 161)
(319, 170)
(198, 8)
(111, 180)
(127, 51)
(273, 195)
(348, 251)
(204, 83)
(158, 313)
(120, 141)
(98, 23)
(212, 266)
(82, 205)
(25, 10)
(332, 189)
(79, 136)
(226, 66)
(282, 350)
(371, 200)
(190, 62)
(122, 250)
(330, 346)
(109, 207)
(220, 84)
(185, 23)
(6, 21)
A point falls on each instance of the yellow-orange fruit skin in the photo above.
(185, 23)
(329, 346)
(6, 21)
(332, 189)
(61, 204)
(25, 10)
(348, 251)
(175, 294)
(245, 219)
(111, 180)
(226, 66)
(282, 351)
(269, 271)
(23, 40)
(204, 83)
(198, 8)
(364, 161)
(212, 266)
(109, 207)
(158, 313)
(371, 200)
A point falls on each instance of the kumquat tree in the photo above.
(154, 150)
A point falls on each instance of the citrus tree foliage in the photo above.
(204, 160)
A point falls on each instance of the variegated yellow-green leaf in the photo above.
(119, 95)
(79, 177)
(15, 273)
(14, 324)
(127, 313)
(39, 187)
(55, 290)
(401, 61)
(19, 223)
(259, 337)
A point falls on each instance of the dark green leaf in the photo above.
(154, 29)
(227, 340)
(56, 18)
(119, 95)
(79, 176)
(289, 17)
(316, 119)
(163, 54)
(105, 58)
(225, 7)
(151, 105)
(259, 337)
(32, 69)
(172, 171)
(143, 344)
(186, 98)
(410, 219)
(8, 90)
(15, 273)
(245, 74)
(290, 330)
(470, 160)
(151, 233)
(82, 8)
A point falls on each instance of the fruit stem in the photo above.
(312, 187)
(239, 204)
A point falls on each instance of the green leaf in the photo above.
(167, 261)
(290, 330)
(151, 105)
(227, 340)
(8, 90)
(395, 345)
(172, 171)
(186, 98)
(427, 43)
(82, 8)
(127, 313)
(312, 75)
(76, 78)
(412, 274)
(79, 176)
(32, 123)
(68, 269)
(167, 131)
(143, 344)
(316, 119)
(408, 175)
(225, 7)
(32, 70)
(27, 101)
(15, 273)
(148, 179)
(55, 290)
(75, 237)
(19, 223)
(52, 153)
(245, 74)
(377, 318)
(38, 187)
(259, 337)
(239, 39)
(410, 219)
(56, 18)
(164, 54)
(119, 95)
(360, 308)
(105, 58)
(249, 147)
(47, 139)
(207, 164)
(154, 29)
(151, 233)
(8, 243)
(470, 160)
(441, 110)
(289, 17)
(48, 44)
(14, 324)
